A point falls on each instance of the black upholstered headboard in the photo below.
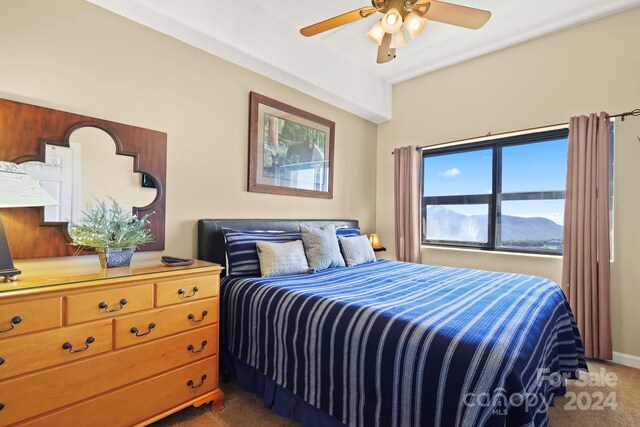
(211, 239)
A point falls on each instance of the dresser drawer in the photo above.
(44, 349)
(139, 402)
(186, 290)
(103, 304)
(23, 317)
(71, 383)
(151, 325)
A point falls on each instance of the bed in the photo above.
(395, 344)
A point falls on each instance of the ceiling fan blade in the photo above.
(337, 21)
(385, 52)
(455, 14)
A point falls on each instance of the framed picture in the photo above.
(148, 182)
(290, 150)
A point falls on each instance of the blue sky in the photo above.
(532, 167)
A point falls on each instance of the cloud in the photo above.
(451, 172)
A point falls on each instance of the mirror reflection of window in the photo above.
(56, 176)
(88, 170)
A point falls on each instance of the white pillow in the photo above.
(321, 247)
(357, 250)
(281, 259)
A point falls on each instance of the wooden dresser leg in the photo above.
(218, 401)
(216, 398)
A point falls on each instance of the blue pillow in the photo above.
(242, 254)
(347, 232)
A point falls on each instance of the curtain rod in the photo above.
(633, 113)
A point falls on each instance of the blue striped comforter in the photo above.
(399, 344)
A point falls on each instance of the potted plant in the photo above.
(112, 231)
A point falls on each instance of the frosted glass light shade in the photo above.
(18, 190)
(376, 33)
(398, 40)
(414, 24)
(392, 21)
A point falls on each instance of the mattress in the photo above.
(401, 344)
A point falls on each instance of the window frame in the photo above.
(495, 198)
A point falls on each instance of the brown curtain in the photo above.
(585, 264)
(407, 203)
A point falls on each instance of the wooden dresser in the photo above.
(113, 347)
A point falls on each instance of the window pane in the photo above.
(458, 223)
(540, 166)
(532, 225)
(459, 173)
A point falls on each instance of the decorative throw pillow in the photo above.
(357, 250)
(347, 232)
(321, 247)
(281, 259)
(242, 255)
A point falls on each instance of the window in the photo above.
(505, 194)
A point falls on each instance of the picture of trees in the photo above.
(294, 154)
(290, 150)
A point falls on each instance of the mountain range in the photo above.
(445, 224)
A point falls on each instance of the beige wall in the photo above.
(585, 69)
(74, 56)
(71, 55)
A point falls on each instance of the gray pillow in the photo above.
(281, 259)
(357, 250)
(321, 246)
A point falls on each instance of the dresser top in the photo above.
(74, 274)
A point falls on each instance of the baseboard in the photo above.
(626, 359)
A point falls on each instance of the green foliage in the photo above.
(549, 245)
(295, 132)
(291, 132)
(110, 226)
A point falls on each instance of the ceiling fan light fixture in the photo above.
(376, 33)
(392, 21)
(400, 15)
(414, 24)
(398, 39)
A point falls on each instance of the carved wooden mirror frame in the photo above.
(24, 132)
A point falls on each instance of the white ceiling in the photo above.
(339, 66)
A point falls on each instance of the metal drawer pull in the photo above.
(69, 346)
(134, 330)
(202, 378)
(1, 406)
(15, 320)
(184, 294)
(105, 306)
(192, 317)
(190, 347)
(2, 359)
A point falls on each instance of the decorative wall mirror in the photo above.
(86, 171)
(79, 159)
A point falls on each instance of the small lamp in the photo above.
(17, 190)
(374, 239)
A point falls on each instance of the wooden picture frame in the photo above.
(290, 150)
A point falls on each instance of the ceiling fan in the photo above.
(400, 15)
